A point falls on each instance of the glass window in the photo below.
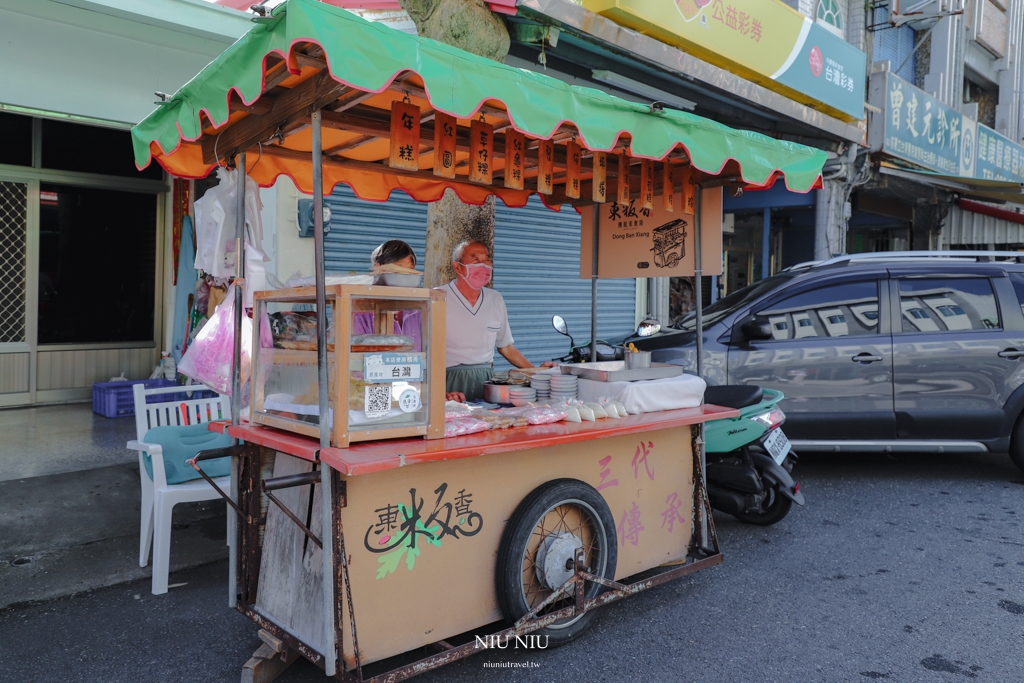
(846, 310)
(830, 13)
(1018, 286)
(97, 255)
(738, 299)
(90, 149)
(939, 305)
(15, 139)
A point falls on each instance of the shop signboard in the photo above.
(916, 127)
(762, 40)
(634, 241)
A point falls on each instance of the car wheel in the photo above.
(1017, 443)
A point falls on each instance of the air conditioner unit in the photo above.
(922, 14)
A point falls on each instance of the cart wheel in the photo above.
(673, 261)
(540, 539)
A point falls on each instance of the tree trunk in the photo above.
(471, 26)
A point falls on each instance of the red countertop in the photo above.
(376, 456)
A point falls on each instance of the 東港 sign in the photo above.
(916, 127)
(763, 40)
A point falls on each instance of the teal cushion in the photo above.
(181, 444)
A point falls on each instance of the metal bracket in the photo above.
(290, 481)
(210, 454)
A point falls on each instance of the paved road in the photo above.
(901, 569)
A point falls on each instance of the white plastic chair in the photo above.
(159, 497)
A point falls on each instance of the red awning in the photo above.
(989, 210)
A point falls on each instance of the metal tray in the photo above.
(615, 371)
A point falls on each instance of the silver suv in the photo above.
(899, 351)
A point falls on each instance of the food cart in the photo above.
(356, 549)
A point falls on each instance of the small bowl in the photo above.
(400, 280)
(520, 402)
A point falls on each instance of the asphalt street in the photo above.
(903, 568)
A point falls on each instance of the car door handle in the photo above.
(1010, 353)
(865, 357)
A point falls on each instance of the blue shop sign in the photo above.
(916, 127)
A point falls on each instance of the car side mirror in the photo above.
(757, 329)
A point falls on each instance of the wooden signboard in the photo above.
(481, 152)
(638, 242)
(515, 159)
(545, 166)
(405, 136)
(622, 180)
(444, 145)
(668, 187)
(647, 183)
(599, 180)
(573, 156)
(689, 191)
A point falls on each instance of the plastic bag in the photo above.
(543, 416)
(209, 358)
(463, 426)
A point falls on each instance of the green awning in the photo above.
(370, 57)
(981, 188)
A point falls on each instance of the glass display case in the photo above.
(386, 376)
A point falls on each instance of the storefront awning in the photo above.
(990, 190)
(258, 95)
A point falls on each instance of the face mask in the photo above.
(477, 274)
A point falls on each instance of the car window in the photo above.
(1018, 286)
(845, 310)
(948, 305)
(735, 301)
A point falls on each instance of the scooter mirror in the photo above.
(559, 324)
(648, 327)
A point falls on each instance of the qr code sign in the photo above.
(378, 400)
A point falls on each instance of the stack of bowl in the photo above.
(563, 386)
(521, 395)
(542, 383)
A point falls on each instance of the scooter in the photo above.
(749, 459)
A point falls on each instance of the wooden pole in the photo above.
(593, 284)
(327, 523)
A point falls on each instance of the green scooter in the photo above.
(749, 459)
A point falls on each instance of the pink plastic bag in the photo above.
(209, 358)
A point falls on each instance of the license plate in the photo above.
(777, 445)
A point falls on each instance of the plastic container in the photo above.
(115, 399)
(638, 361)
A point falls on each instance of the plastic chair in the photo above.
(165, 440)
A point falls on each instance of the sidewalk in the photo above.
(69, 507)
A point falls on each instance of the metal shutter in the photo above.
(358, 227)
(537, 252)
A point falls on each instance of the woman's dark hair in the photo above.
(391, 251)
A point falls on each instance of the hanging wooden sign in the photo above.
(405, 136)
(445, 128)
(481, 152)
(515, 159)
(668, 187)
(689, 191)
(647, 183)
(545, 166)
(572, 169)
(599, 179)
(622, 179)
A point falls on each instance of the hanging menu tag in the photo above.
(646, 183)
(405, 136)
(481, 152)
(668, 188)
(444, 145)
(622, 180)
(572, 169)
(515, 159)
(545, 166)
(599, 181)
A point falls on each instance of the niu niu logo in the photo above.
(502, 643)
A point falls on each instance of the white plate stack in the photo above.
(542, 383)
(563, 386)
(521, 395)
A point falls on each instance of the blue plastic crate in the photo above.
(116, 399)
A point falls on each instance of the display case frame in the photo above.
(344, 301)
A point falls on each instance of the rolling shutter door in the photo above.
(537, 252)
(358, 227)
(537, 256)
(896, 44)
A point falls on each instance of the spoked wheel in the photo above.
(774, 508)
(538, 549)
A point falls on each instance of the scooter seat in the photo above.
(733, 395)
